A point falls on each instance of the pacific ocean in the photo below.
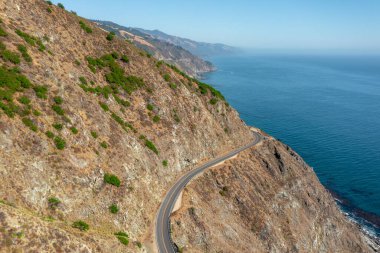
(326, 107)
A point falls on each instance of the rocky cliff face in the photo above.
(161, 49)
(265, 200)
(82, 106)
(93, 132)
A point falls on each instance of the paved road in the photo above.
(163, 238)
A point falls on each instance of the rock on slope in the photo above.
(161, 49)
(93, 106)
(265, 200)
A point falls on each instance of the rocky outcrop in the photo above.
(265, 200)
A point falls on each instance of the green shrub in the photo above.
(29, 123)
(151, 146)
(49, 10)
(165, 163)
(139, 245)
(104, 144)
(86, 28)
(110, 36)
(150, 107)
(124, 58)
(113, 208)
(104, 106)
(49, 134)
(81, 225)
(120, 101)
(73, 130)
(49, 2)
(83, 80)
(41, 91)
(156, 119)
(24, 52)
(53, 202)
(58, 100)
(24, 100)
(111, 179)
(173, 86)
(115, 55)
(159, 63)
(122, 237)
(77, 62)
(94, 134)
(58, 126)
(61, 6)
(36, 113)
(59, 143)
(2, 46)
(3, 33)
(167, 77)
(10, 56)
(58, 110)
(213, 101)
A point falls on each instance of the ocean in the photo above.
(327, 108)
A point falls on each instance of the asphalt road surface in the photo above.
(163, 238)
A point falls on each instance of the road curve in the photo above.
(163, 238)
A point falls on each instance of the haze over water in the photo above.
(327, 108)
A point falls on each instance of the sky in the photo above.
(257, 24)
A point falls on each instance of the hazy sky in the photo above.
(282, 24)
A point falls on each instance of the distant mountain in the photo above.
(201, 49)
(161, 48)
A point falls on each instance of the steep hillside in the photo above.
(76, 107)
(93, 131)
(265, 200)
(161, 49)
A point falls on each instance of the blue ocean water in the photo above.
(327, 108)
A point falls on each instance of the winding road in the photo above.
(163, 238)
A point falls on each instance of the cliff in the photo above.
(93, 131)
(265, 200)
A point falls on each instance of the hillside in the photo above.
(161, 49)
(201, 49)
(93, 132)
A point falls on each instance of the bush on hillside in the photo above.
(112, 179)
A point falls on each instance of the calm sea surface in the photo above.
(327, 108)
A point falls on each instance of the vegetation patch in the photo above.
(110, 36)
(41, 91)
(3, 33)
(156, 119)
(104, 106)
(53, 202)
(124, 58)
(113, 208)
(61, 6)
(59, 143)
(213, 101)
(74, 130)
(104, 144)
(81, 225)
(58, 110)
(10, 56)
(58, 126)
(165, 163)
(86, 28)
(167, 77)
(49, 134)
(58, 100)
(112, 179)
(30, 124)
(24, 52)
(31, 40)
(150, 107)
(94, 134)
(122, 237)
(151, 146)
